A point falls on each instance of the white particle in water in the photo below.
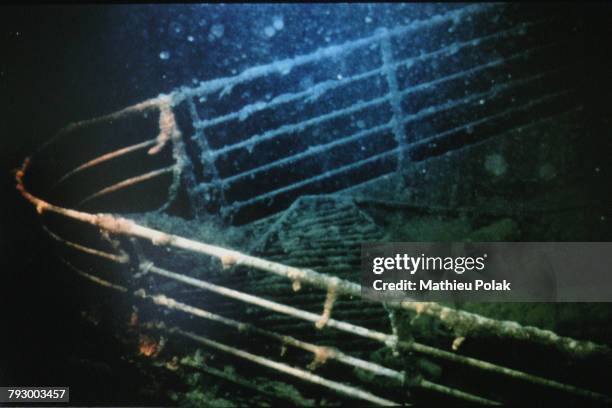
(368, 20)
(269, 31)
(496, 164)
(278, 23)
(190, 38)
(547, 171)
(164, 55)
(217, 30)
(284, 68)
(306, 83)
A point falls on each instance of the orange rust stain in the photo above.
(457, 343)
(147, 346)
(227, 261)
(161, 239)
(321, 354)
(296, 285)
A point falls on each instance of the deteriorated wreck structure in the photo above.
(274, 166)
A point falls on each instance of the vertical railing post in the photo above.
(215, 187)
(389, 69)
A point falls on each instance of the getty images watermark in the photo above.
(488, 271)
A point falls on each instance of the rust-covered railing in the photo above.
(117, 232)
(463, 323)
